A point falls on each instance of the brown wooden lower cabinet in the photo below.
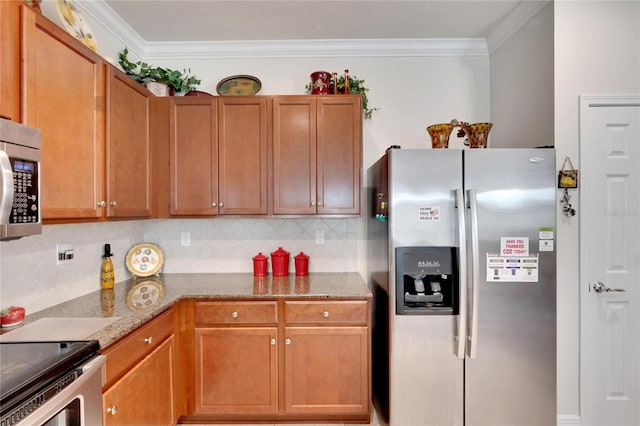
(281, 360)
(144, 396)
(248, 361)
(326, 370)
(140, 374)
(236, 370)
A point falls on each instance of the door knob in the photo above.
(601, 287)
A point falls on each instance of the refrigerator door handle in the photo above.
(461, 335)
(475, 275)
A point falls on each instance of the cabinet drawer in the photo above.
(325, 312)
(250, 312)
(127, 351)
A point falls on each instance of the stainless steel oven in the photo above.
(19, 180)
(51, 383)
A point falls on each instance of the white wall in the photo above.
(522, 85)
(597, 51)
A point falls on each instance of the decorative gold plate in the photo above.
(239, 85)
(144, 260)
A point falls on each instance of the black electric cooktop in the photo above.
(26, 367)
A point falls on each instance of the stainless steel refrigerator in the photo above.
(461, 260)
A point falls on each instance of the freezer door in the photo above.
(426, 377)
(510, 373)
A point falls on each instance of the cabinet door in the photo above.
(144, 396)
(326, 370)
(236, 370)
(10, 59)
(294, 155)
(242, 155)
(193, 156)
(128, 147)
(339, 158)
(63, 96)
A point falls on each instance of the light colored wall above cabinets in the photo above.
(522, 86)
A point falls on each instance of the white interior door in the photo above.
(610, 260)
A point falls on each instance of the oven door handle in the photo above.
(6, 187)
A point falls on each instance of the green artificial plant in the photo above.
(142, 72)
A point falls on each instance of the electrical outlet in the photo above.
(320, 237)
(185, 239)
(64, 252)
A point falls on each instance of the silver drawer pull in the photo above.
(287, 341)
(149, 340)
(234, 314)
(325, 314)
(112, 410)
(273, 341)
(102, 203)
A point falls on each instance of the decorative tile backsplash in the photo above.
(31, 275)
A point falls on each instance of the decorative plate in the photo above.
(145, 294)
(144, 260)
(239, 85)
(75, 23)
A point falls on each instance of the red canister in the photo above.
(302, 264)
(320, 82)
(260, 265)
(280, 262)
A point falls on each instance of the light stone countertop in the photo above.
(172, 288)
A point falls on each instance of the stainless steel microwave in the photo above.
(20, 213)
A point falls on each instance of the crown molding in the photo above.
(522, 14)
(317, 48)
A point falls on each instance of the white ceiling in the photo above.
(224, 20)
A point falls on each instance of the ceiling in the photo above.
(224, 20)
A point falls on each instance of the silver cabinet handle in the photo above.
(273, 341)
(102, 204)
(601, 287)
(221, 204)
(114, 204)
(319, 203)
(234, 315)
(325, 314)
(287, 341)
(313, 204)
(214, 205)
(112, 410)
(149, 340)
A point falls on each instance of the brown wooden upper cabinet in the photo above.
(317, 154)
(218, 155)
(128, 147)
(10, 59)
(63, 96)
(96, 150)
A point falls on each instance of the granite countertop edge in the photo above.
(122, 301)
